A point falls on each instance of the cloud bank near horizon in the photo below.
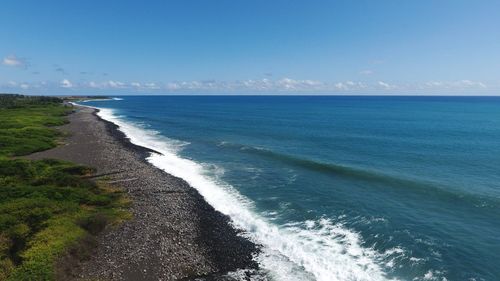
(83, 83)
(258, 86)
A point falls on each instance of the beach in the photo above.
(186, 140)
(176, 177)
(333, 188)
(174, 234)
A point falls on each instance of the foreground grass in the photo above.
(47, 208)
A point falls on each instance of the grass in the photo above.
(47, 209)
(25, 124)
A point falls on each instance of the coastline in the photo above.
(175, 234)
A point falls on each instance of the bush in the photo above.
(47, 209)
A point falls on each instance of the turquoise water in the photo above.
(339, 188)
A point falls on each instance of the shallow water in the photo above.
(339, 188)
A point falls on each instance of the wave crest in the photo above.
(319, 250)
(419, 187)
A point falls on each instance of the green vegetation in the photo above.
(19, 101)
(48, 209)
(25, 121)
(83, 98)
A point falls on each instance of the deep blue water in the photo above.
(340, 188)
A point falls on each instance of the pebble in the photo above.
(170, 237)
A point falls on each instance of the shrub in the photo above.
(47, 209)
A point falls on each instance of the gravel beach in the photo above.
(174, 233)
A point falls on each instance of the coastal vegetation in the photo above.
(85, 98)
(50, 211)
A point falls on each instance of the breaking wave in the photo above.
(321, 250)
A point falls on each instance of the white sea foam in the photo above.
(107, 99)
(321, 250)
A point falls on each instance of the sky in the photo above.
(424, 47)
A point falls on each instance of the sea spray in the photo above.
(314, 250)
(413, 189)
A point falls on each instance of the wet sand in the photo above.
(174, 233)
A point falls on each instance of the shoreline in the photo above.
(174, 235)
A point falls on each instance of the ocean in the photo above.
(338, 187)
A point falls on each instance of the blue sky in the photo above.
(258, 46)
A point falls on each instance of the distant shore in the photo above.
(174, 234)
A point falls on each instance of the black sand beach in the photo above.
(174, 233)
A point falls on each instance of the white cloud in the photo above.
(14, 61)
(295, 85)
(65, 83)
(454, 85)
(142, 86)
(151, 86)
(266, 86)
(259, 85)
(340, 86)
(110, 84)
(173, 86)
(386, 86)
(114, 84)
(366, 72)
(349, 86)
(23, 85)
(468, 83)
